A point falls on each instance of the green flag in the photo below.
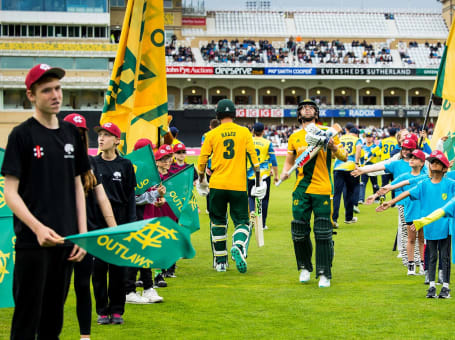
(154, 243)
(180, 197)
(147, 174)
(449, 148)
(7, 241)
(4, 210)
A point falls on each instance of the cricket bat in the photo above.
(259, 231)
(311, 151)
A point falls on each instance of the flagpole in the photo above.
(426, 119)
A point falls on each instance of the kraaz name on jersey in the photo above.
(228, 134)
(233, 70)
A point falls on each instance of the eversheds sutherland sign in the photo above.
(240, 71)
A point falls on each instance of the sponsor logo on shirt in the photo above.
(444, 196)
(117, 176)
(69, 150)
(38, 151)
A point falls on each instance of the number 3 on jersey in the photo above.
(230, 152)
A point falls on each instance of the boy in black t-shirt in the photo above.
(43, 163)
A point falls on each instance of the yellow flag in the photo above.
(136, 99)
(444, 85)
(445, 126)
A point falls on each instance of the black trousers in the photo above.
(146, 278)
(444, 250)
(41, 281)
(342, 179)
(82, 273)
(109, 300)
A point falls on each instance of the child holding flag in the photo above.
(98, 208)
(152, 196)
(119, 181)
(433, 193)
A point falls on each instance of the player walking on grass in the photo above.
(433, 193)
(312, 194)
(229, 144)
(268, 166)
(43, 164)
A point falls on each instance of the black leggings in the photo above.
(444, 251)
(82, 273)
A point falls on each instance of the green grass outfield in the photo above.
(370, 297)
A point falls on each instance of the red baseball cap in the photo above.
(40, 70)
(439, 155)
(162, 151)
(109, 127)
(409, 144)
(412, 136)
(179, 147)
(142, 143)
(76, 119)
(419, 154)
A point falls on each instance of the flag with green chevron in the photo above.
(4, 209)
(154, 243)
(181, 198)
(136, 98)
(147, 174)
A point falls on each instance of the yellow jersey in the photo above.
(387, 145)
(229, 144)
(266, 156)
(315, 177)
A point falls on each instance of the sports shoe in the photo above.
(151, 295)
(356, 209)
(265, 228)
(335, 225)
(116, 319)
(427, 278)
(159, 282)
(431, 293)
(304, 276)
(411, 269)
(354, 220)
(239, 259)
(444, 293)
(170, 272)
(360, 202)
(135, 298)
(324, 282)
(220, 267)
(139, 283)
(421, 270)
(103, 320)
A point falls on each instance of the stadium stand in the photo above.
(230, 23)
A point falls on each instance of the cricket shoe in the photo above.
(411, 269)
(304, 276)
(444, 293)
(354, 220)
(239, 259)
(324, 282)
(135, 298)
(220, 267)
(151, 295)
(356, 209)
(431, 293)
